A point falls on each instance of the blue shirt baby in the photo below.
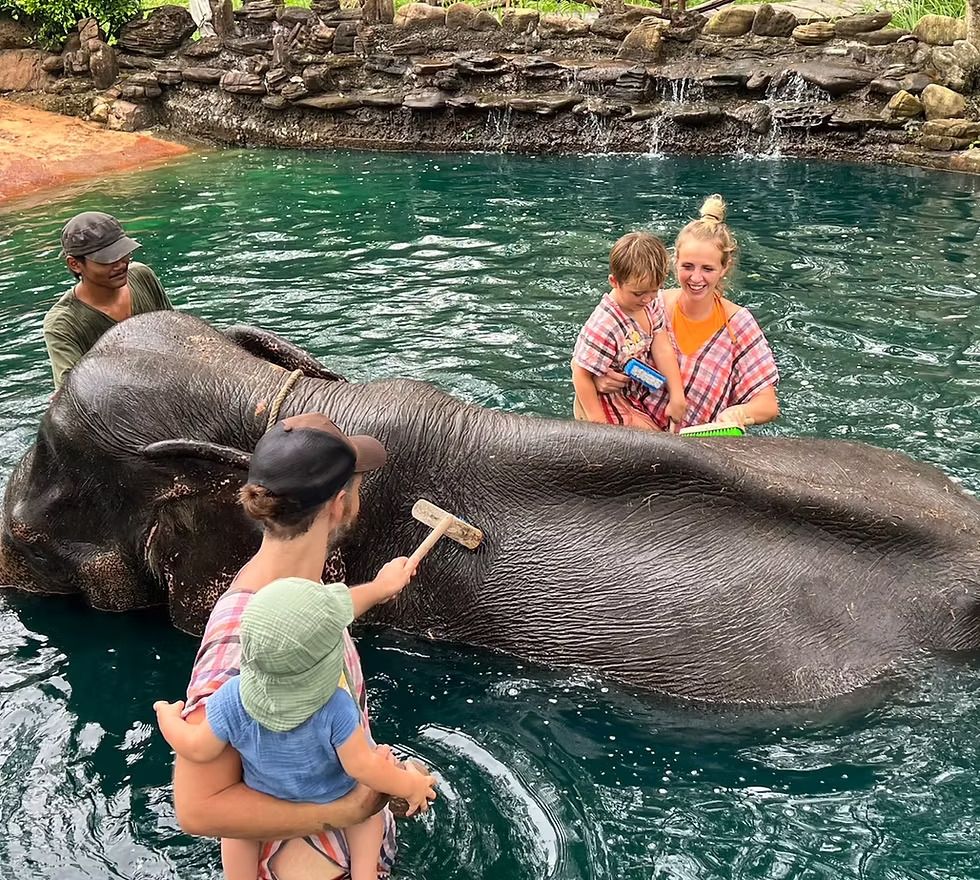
(294, 765)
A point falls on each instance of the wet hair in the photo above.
(711, 227)
(280, 516)
(638, 256)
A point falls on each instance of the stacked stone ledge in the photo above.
(741, 70)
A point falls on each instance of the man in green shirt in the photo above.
(109, 289)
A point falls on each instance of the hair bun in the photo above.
(714, 208)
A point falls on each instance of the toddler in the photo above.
(628, 323)
(298, 731)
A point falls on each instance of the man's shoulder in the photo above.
(58, 314)
(141, 269)
(143, 274)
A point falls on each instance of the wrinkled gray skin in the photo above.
(757, 570)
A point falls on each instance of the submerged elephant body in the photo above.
(753, 570)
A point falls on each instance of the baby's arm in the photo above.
(594, 361)
(588, 395)
(370, 767)
(240, 858)
(195, 742)
(665, 360)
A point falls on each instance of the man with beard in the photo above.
(303, 490)
(109, 288)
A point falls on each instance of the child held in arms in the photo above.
(293, 721)
(628, 323)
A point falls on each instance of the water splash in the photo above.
(525, 800)
(792, 92)
(762, 145)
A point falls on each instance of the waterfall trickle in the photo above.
(497, 129)
(684, 90)
(793, 98)
(598, 129)
(661, 122)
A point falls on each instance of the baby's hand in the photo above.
(168, 711)
(677, 409)
(423, 791)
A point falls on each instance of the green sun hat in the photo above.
(292, 650)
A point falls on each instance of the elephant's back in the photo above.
(177, 344)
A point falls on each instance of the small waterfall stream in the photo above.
(497, 129)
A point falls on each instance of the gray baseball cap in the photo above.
(96, 236)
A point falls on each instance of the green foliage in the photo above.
(564, 7)
(53, 19)
(906, 13)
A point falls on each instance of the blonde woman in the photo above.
(726, 364)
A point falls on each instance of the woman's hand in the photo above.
(611, 382)
(736, 415)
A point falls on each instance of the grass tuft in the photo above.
(907, 13)
(563, 7)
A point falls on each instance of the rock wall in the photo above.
(754, 80)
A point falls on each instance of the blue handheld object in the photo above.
(644, 374)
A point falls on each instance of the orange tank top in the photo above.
(691, 334)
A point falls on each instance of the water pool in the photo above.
(475, 272)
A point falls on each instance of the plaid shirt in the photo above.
(722, 373)
(219, 658)
(607, 341)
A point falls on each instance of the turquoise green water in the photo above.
(475, 272)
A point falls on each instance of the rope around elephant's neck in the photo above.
(278, 400)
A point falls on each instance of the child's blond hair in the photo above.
(711, 227)
(639, 256)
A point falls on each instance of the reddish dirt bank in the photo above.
(41, 150)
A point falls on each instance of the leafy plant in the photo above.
(54, 19)
(906, 13)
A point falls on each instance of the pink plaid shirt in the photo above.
(722, 373)
(607, 341)
(219, 658)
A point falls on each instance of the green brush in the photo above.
(713, 429)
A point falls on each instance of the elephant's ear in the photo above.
(278, 351)
(197, 512)
(197, 449)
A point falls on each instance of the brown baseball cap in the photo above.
(309, 459)
(96, 236)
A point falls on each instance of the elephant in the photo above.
(739, 571)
